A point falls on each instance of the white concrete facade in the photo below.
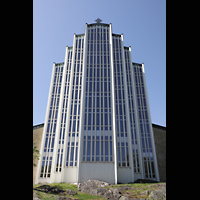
(98, 123)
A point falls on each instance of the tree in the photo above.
(36, 153)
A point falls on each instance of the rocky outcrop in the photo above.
(55, 190)
(35, 196)
(107, 191)
(158, 194)
(124, 192)
(92, 184)
(96, 187)
(64, 198)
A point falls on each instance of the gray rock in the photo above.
(101, 191)
(86, 189)
(35, 196)
(62, 198)
(93, 192)
(92, 184)
(71, 192)
(147, 192)
(79, 186)
(108, 194)
(116, 193)
(157, 194)
(54, 190)
(96, 187)
(123, 198)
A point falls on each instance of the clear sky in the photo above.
(142, 22)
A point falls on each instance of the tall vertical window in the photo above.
(122, 135)
(47, 155)
(144, 122)
(97, 144)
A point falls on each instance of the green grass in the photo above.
(63, 186)
(134, 185)
(135, 190)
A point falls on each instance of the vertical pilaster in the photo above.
(82, 110)
(150, 126)
(114, 128)
(60, 114)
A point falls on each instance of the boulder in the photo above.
(116, 193)
(79, 186)
(123, 198)
(62, 198)
(96, 187)
(35, 196)
(101, 191)
(70, 192)
(92, 184)
(121, 188)
(157, 194)
(108, 194)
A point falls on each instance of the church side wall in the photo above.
(37, 139)
(160, 145)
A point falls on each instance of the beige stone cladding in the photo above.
(37, 139)
(160, 144)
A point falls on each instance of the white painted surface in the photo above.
(70, 174)
(98, 171)
(124, 175)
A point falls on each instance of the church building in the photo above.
(98, 122)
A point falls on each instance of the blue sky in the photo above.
(142, 22)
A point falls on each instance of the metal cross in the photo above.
(98, 20)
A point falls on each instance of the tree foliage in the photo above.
(36, 153)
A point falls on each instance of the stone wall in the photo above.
(37, 138)
(160, 143)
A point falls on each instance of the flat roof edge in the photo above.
(38, 126)
(97, 24)
(137, 63)
(158, 126)
(61, 63)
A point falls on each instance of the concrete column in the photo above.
(82, 108)
(60, 115)
(113, 106)
(150, 126)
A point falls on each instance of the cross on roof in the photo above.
(98, 20)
